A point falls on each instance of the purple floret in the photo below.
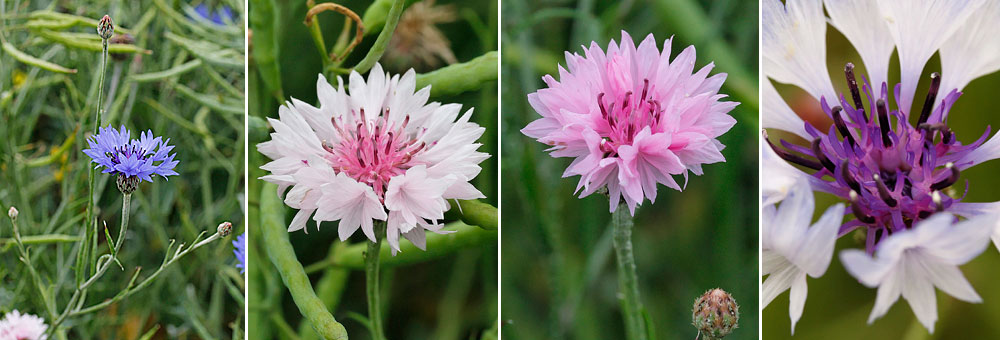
(114, 151)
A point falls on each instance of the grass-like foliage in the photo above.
(157, 268)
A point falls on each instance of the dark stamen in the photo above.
(883, 191)
(947, 182)
(645, 86)
(600, 103)
(846, 174)
(794, 158)
(818, 151)
(931, 96)
(852, 83)
(883, 121)
(841, 126)
(856, 209)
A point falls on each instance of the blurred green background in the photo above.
(838, 305)
(559, 278)
(45, 119)
(453, 297)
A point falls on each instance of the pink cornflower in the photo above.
(380, 152)
(17, 326)
(631, 118)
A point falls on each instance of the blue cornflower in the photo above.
(220, 16)
(241, 252)
(131, 159)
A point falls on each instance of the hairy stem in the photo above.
(88, 251)
(372, 281)
(375, 53)
(628, 281)
(26, 259)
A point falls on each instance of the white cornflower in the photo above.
(17, 326)
(912, 262)
(375, 151)
(792, 249)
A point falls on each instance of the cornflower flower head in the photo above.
(631, 118)
(895, 168)
(240, 250)
(17, 326)
(132, 160)
(377, 152)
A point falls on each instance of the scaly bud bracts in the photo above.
(715, 314)
(225, 228)
(105, 28)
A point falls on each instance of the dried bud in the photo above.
(225, 228)
(105, 28)
(127, 184)
(715, 314)
(123, 39)
(12, 213)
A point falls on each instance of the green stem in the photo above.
(88, 250)
(457, 78)
(279, 250)
(375, 53)
(26, 259)
(628, 281)
(372, 282)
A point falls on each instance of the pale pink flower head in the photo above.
(631, 118)
(376, 150)
(17, 326)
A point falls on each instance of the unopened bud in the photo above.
(12, 213)
(105, 28)
(121, 39)
(715, 314)
(127, 184)
(225, 228)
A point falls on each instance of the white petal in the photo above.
(888, 293)
(790, 224)
(945, 276)
(779, 281)
(797, 299)
(778, 115)
(919, 28)
(864, 268)
(973, 51)
(919, 293)
(778, 176)
(862, 24)
(817, 249)
(794, 45)
(962, 241)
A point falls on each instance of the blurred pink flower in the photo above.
(631, 118)
(17, 326)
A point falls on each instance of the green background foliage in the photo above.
(189, 88)
(559, 279)
(453, 295)
(838, 305)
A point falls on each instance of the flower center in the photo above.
(372, 152)
(127, 151)
(891, 171)
(626, 114)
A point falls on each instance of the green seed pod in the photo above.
(715, 314)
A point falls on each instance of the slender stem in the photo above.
(26, 259)
(372, 282)
(88, 250)
(126, 211)
(628, 281)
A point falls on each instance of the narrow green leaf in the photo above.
(461, 77)
(27, 59)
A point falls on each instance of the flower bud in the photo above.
(105, 28)
(123, 39)
(12, 213)
(715, 314)
(225, 228)
(127, 184)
